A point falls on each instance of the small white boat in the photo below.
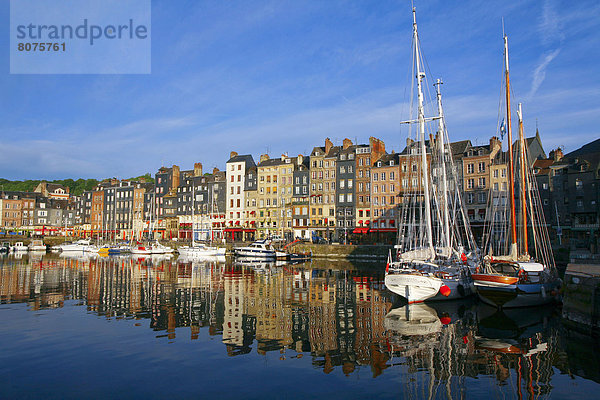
(19, 247)
(151, 248)
(260, 249)
(201, 250)
(37, 245)
(80, 245)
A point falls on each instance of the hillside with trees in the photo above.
(76, 187)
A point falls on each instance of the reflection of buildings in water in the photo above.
(339, 316)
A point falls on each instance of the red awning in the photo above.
(249, 230)
(367, 222)
(383, 230)
(233, 229)
(360, 230)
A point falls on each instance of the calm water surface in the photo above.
(148, 327)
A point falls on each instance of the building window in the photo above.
(470, 168)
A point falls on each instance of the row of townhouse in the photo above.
(337, 192)
(352, 189)
(569, 187)
(30, 211)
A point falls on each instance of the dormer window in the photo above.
(379, 163)
(392, 163)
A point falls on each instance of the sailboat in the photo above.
(199, 249)
(435, 245)
(514, 274)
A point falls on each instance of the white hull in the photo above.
(201, 251)
(258, 254)
(413, 287)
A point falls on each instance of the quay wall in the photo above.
(581, 296)
(345, 251)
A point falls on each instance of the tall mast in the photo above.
(511, 178)
(441, 134)
(523, 184)
(421, 116)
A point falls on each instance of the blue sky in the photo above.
(280, 76)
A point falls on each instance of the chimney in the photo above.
(347, 143)
(215, 170)
(198, 169)
(328, 145)
(175, 177)
(557, 154)
(300, 159)
(409, 142)
(377, 149)
(232, 154)
(263, 157)
(283, 156)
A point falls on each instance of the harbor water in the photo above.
(161, 327)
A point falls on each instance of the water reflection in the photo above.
(338, 314)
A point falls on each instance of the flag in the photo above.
(389, 261)
(502, 129)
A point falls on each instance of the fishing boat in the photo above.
(435, 247)
(515, 272)
(261, 249)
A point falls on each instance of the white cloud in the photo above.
(540, 72)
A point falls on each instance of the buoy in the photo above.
(445, 290)
(445, 320)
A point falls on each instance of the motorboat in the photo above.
(19, 247)
(37, 245)
(261, 249)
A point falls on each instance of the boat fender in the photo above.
(477, 269)
(445, 290)
(461, 290)
(445, 320)
(523, 276)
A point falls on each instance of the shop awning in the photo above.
(383, 229)
(360, 230)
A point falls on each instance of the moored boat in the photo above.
(261, 249)
(435, 245)
(524, 273)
